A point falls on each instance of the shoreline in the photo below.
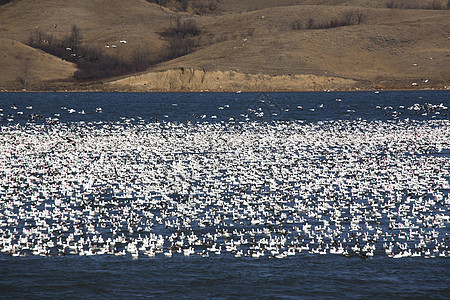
(218, 91)
(190, 80)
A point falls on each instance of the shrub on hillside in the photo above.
(182, 29)
(432, 4)
(182, 37)
(180, 47)
(91, 62)
(394, 4)
(159, 2)
(351, 17)
(297, 25)
(179, 4)
(65, 47)
(437, 4)
(354, 17)
(202, 7)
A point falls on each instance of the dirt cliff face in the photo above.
(198, 80)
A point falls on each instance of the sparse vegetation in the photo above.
(250, 31)
(65, 48)
(203, 7)
(5, 1)
(24, 79)
(159, 2)
(432, 4)
(199, 7)
(297, 25)
(182, 29)
(351, 17)
(91, 62)
(183, 37)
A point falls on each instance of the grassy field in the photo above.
(229, 45)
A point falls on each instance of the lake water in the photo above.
(225, 195)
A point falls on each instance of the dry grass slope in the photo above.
(250, 40)
(25, 67)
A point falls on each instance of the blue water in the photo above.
(195, 107)
(196, 277)
(301, 276)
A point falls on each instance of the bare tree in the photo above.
(73, 40)
(24, 79)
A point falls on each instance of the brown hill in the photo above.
(243, 45)
(22, 65)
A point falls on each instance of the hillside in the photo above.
(241, 45)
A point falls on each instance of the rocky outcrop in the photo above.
(187, 79)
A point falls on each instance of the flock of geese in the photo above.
(250, 189)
